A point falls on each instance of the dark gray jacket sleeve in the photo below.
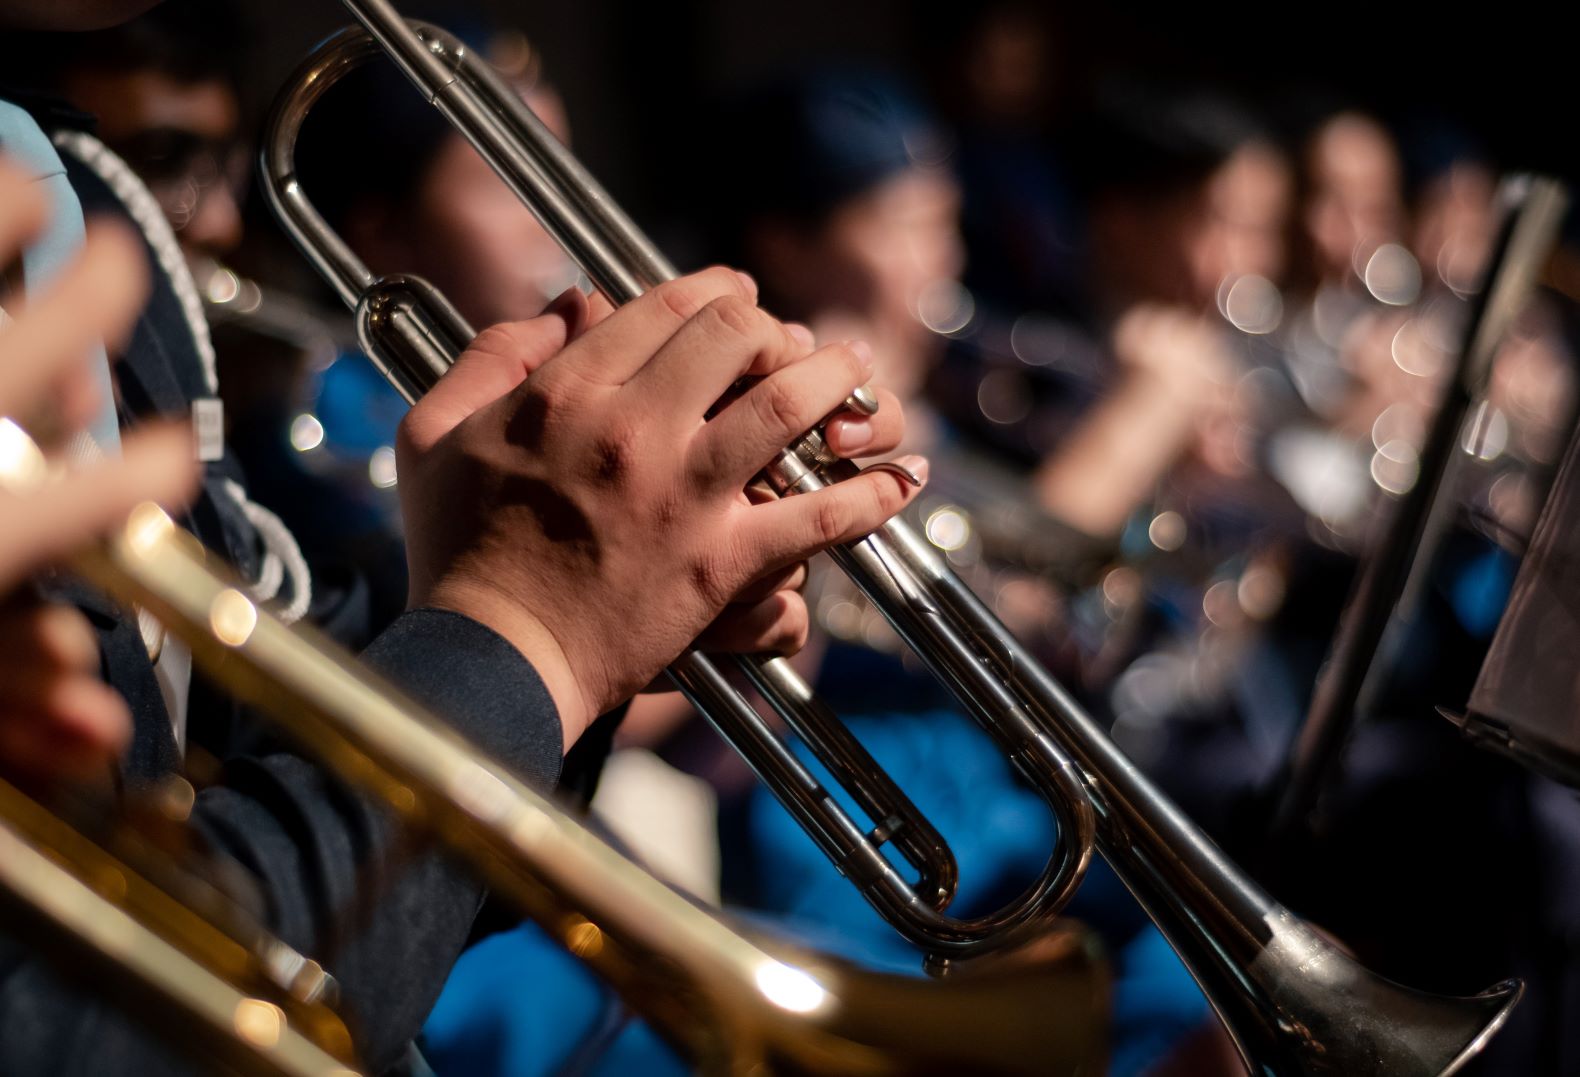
(388, 928)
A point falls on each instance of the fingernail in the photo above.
(850, 435)
(863, 352)
(748, 283)
(802, 334)
(917, 466)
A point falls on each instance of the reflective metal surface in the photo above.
(1292, 1001)
(107, 926)
(1534, 212)
(734, 1004)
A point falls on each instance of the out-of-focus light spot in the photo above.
(110, 882)
(1398, 422)
(840, 616)
(562, 276)
(381, 467)
(1167, 531)
(1392, 275)
(948, 528)
(1486, 435)
(232, 617)
(1512, 500)
(584, 939)
(945, 306)
(511, 53)
(146, 527)
(258, 1022)
(480, 793)
(1260, 592)
(1395, 466)
(307, 433)
(22, 463)
(249, 298)
(1035, 340)
(1251, 303)
(1003, 397)
(223, 287)
(877, 633)
(1220, 603)
(1121, 588)
(789, 988)
(175, 798)
(1413, 353)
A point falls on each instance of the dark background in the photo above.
(637, 77)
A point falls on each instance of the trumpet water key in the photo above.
(1293, 1002)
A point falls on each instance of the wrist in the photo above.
(530, 636)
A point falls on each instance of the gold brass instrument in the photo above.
(106, 925)
(1293, 1002)
(733, 1004)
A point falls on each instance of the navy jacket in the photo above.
(318, 849)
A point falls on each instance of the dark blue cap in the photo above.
(805, 144)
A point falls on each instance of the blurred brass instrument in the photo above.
(1293, 1002)
(252, 1008)
(733, 1004)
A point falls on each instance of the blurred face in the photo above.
(1355, 202)
(873, 258)
(1006, 67)
(1455, 222)
(893, 242)
(1241, 230)
(180, 138)
(1178, 248)
(474, 239)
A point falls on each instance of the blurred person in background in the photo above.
(998, 73)
(420, 200)
(1367, 340)
(59, 723)
(315, 847)
(879, 230)
(160, 92)
(854, 229)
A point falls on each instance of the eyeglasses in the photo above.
(181, 167)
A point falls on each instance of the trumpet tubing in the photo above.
(152, 955)
(1293, 1003)
(734, 1004)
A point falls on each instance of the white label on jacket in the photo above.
(208, 428)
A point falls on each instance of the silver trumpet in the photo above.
(736, 1005)
(1293, 1002)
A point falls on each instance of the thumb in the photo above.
(496, 362)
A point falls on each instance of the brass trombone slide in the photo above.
(735, 1005)
(106, 926)
(1292, 1001)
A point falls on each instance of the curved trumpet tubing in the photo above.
(1292, 1001)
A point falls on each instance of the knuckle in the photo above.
(852, 370)
(682, 297)
(613, 455)
(708, 577)
(830, 521)
(495, 341)
(778, 408)
(408, 432)
(799, 631)
(735, 316)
